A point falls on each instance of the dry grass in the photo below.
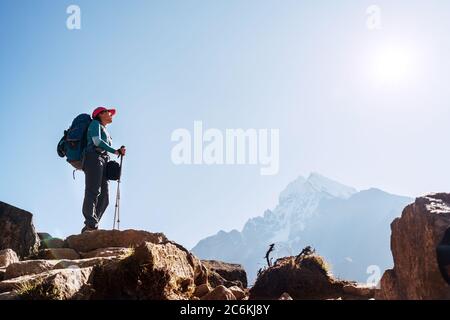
(37, 290)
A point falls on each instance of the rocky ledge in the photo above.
(420, 245)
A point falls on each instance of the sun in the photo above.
(392, 65)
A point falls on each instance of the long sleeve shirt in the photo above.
(98, 136)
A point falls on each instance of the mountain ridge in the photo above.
(307, 212)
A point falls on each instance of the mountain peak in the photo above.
(317, 183)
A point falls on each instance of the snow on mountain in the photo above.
(314, 211)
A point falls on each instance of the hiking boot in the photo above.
(87, 229)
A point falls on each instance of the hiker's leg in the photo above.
(93, 169)
(103, 198)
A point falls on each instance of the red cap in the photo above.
(101, 109)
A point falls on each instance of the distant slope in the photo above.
(350, 229)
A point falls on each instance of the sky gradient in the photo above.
(303, 67)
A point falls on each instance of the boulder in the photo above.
(29, 267)
(107, 252)
(219, 293)
(58, 254)
(227, 274)
(414, 242)
(93, 240)
(32, 267)
(202, 290)
(7, 257)
(237, 292)
(302, 277)
(62, 284)
(164, 271)
(17, 231)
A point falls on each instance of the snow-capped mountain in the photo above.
(350, 228)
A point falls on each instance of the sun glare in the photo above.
(392, 65)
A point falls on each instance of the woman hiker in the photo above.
(99, 143)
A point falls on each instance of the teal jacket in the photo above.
(97, 136)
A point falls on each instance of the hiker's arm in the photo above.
(96, 135)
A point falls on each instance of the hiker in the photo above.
(99, 143)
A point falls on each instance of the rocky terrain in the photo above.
(420, 244)
(139, 265)
(104, 264)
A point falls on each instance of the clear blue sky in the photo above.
(298, 66)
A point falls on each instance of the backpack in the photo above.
(74, 141)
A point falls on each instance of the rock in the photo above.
(7, 257)
(52, 243)
(227, 274)
(9, 296)
(44, 235)
(443, 256)
(107, 252)
(32, 267)
(90, 241)
(59, 284)
(17, 231)
(58, 254)
(388, 287)
(285, 296)
(238, 293)
(85, 263)
(29, 267)
(2, 274)
(361, 290)
(414, 240)
(164, 271)
(302, 277)
(219, 293)
(202, 290)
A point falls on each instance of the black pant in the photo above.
(96, 196)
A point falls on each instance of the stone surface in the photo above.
(227, 274)
(2, 274)
(52, 243)
(58, 254)
(8, 296)
(107, 252)
(219, 293)
(237, 292)
(202, 290)
(415, 237)
(165, 271)
(61, 284)
(7, 256)
(17, 231)
(29, 267)
(90, 241)
(302, 277)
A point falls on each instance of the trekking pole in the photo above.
(117, 208)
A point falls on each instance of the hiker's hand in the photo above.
(122, 151)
